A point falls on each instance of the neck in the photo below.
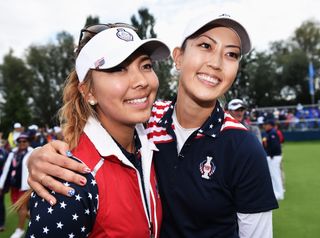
(192, 114)
(123, 134)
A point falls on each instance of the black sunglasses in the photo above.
(22, 141)
(96, 28)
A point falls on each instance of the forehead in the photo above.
(221, 34)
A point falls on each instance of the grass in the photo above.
(11, 219)
(299, 213)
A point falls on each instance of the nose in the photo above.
(138, 79)
(215, 59)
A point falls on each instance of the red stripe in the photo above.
(234, 127)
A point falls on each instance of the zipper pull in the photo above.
(151, 230)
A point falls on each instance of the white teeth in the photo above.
(138, 100)
(208, 78)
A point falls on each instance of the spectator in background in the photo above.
(13, 135)
(3, 158)
(272, 146)
(15, 169)
(237, 109)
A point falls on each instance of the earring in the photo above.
(92, 102)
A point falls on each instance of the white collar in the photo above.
(105, 144)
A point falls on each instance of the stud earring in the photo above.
(92, 102)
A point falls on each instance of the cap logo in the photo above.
(224, 15)
(124, 35)
(99, 63)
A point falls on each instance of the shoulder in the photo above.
(229, 123)
(69, 215)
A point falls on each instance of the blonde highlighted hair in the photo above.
(75, 111)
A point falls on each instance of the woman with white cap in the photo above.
(105, 100)
(213, 174)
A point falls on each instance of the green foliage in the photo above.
(279, 76)
(50, 65)
(16, 91)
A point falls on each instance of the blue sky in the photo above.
(26, 22)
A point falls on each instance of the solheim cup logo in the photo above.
(207, 168)
(124, 35)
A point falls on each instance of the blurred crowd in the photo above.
(37, 135)
(300, 118)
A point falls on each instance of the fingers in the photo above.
(42, 191)
(45, 163)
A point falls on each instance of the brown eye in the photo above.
(205, 45)
(148, 66)
(234, 55)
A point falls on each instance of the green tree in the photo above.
(50, 65)
(15, 89)
(144, 23)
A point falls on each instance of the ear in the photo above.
(177, 57)
(89, 97)
(82, 89)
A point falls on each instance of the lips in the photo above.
(209, 79)
(137, 100)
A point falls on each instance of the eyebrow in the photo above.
(214, 41)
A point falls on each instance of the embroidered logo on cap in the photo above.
(207, 168)
(99, 63)
(124, 35)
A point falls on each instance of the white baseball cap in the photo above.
(112, 46)
(220, 20)
(235, 104)
(17, 125)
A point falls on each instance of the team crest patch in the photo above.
(207, 168)
(124, 35)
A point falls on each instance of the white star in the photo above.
(53, 192)
(59, 225)
(93, 182)
(97, 197)
(63, 205)
(213, 135)
(66, 184)
(29, 224)
(219, 120)
(87, 211)
(45, 230)
(211, 126)
(32, 236)
(33, 194)
(83, 229)
(37, 217)
(218, 109)
(78, 197)
(165, 122)
(71, 235)
(90, 196)
(36, 204)
(200, 131)
(50, 210)
(75, 216)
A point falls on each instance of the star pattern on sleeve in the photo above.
(71, 217)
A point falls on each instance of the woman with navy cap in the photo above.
(213, 174)
(15, 175)
(105, 100)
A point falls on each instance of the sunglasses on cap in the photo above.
(97, 28)
(22, 141)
